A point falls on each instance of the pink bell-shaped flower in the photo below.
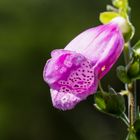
(73, 72)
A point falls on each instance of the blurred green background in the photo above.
(29, 30)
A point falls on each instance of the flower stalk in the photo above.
(131, 88)
(132, 102)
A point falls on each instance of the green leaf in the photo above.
(122, 74)
(112, 104)
(106, 17)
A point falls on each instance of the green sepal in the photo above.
(137, 128)
(118, 3)
(123, 11)
(138, 113)
(128, 35)
(137, 45)
(136, 49)
(106, 17)
(122, 74)
(121, 4)
(131, 136)
(111, 90)
(111, 104)
(111, 8)
(134, 69)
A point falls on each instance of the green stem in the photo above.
(131, 88)
(132, 102)
(126, 53)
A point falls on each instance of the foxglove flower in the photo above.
(73, 72)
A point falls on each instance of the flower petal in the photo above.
(75, 77)
(101, 45)
(64, 101)
(111, 54)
